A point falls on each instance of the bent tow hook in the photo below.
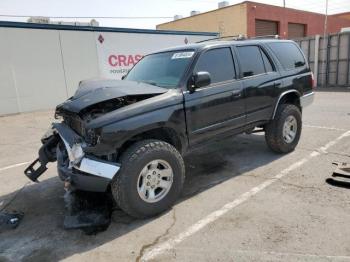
(46, 154)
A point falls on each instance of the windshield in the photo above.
(162, 69)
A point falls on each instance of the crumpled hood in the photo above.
(91, 92)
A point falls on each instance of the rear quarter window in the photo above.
(288, 54)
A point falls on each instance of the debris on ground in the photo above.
(10, 220)
(340, 176)
(90, 212)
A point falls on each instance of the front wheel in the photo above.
(282, 134)
(150, 179)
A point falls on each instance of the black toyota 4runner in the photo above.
(128, 136)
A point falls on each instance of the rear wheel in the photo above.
(150, 179)
(282, 134)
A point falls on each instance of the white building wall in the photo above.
(79, 57)
(40, 68)
(8, 96)
(32, 68)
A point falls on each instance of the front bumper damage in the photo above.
(82, 171)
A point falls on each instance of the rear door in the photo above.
(260, 78)
(219, 107)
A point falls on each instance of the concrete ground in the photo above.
(241, 202)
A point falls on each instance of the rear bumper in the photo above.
(83, 171)
(307, 99)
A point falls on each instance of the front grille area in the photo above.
(75, 123)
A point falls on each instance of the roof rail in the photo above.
(239, 37)
(265, 36)
(229, 37)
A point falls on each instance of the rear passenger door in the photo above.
(219, 107)
(260, 77)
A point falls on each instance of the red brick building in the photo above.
(290, 23)
(254, 19)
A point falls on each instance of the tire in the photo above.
(134, 164)
(275, 137)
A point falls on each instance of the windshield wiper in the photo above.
(150, 83)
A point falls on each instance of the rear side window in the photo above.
(288, 54)
(219, 63)
(251, 60)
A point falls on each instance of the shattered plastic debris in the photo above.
(342, 175)
(10, 220)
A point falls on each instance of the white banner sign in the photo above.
(119, 52)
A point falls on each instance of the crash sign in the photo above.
(115, 60)
(119, 52)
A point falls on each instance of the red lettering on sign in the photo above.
(137, 58)
(131, 60)
(113, 60)
(123, 60)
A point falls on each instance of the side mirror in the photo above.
(123, 77)
(199, 79)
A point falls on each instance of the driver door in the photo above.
(218, 108)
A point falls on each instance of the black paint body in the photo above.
(194, 118)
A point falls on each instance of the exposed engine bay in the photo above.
(84, 159)
(78, 121)
(104, 107)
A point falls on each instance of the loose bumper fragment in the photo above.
(84, 172)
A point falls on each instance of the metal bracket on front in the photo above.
(33, 171)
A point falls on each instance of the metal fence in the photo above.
(332, 66)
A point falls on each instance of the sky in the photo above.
(156, 11)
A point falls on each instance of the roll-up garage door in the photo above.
(265, 27)
(296, 30)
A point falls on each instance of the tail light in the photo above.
(313, 82)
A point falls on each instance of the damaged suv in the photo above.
(128, 136)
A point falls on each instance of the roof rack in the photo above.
(239, 37)
(231, 37)
(265, 36)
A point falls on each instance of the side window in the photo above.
(251, 60)
(288, 54)
(267, 63)
(218, 62)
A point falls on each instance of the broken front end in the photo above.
(83, 171)
(87, 158)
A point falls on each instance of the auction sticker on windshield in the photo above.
(182, 55)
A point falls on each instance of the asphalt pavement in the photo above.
(241, 202)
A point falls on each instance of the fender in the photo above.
(114, 135)
(281, 96)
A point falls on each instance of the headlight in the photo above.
(77, 152)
